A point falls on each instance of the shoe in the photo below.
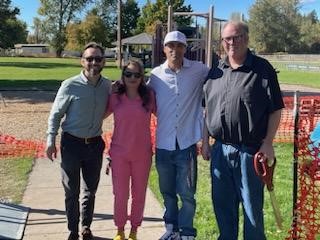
(132, 236)
(170, 234)
(87, 234)
(119, 236)
(73, 236)
(187, 238)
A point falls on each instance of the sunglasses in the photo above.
(96, 59)
(230, 39)
(130, 74)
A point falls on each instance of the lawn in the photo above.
(44, 73)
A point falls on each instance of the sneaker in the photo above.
(119, 236)
(132, 236)
(187, 238)
(73, 236)
(170, 234)
(87, 234)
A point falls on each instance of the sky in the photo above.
(222, 8)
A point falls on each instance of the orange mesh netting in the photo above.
(11, 147)
(306, 222)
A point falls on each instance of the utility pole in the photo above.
(119, 34)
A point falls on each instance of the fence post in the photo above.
(295, 161)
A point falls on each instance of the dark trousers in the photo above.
(76, 157)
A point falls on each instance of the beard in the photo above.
(94, 71)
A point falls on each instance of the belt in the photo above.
(83, 140)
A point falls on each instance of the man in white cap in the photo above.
(178, 85)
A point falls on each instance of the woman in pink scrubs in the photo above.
(131, 150)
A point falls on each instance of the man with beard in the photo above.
(82, 100)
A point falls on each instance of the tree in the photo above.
(107, 11)
(310, 33)
(274, 25)
(39, 34)
(12, 30)
(153, 13)
(92, 28)
(57, 15)
(129, 18)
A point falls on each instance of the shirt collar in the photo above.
(186, 63)
(86, 80)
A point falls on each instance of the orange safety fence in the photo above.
(12, 147)
(306, 220)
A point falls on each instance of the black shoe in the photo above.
(87, 234)
(73, 236)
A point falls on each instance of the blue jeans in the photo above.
(178, 176)
(87, 158)
(234, 181)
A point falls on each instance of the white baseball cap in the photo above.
(175, 36)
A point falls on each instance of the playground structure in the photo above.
(200, 46)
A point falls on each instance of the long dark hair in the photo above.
(143, 90)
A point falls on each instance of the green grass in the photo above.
(47, 73)
(44, 73)
(310, 79)
(14, 174)
(205, 221)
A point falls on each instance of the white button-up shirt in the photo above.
(179, 110)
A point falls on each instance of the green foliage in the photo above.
(129, 18)
(57, 14)
(273, 25)
(277, 26)
(92, 28)
(205, 220)
(14, 174)
(12, 30)
(153, 13)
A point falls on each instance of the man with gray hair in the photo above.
(243, 110)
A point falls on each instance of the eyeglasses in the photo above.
(96, 59)
(130, 74)
(235, 39)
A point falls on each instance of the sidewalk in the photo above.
(45, 198)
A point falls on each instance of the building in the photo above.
(31, 49)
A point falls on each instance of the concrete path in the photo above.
(45, 198)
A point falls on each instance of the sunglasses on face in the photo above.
(130, 74)
(230, 39)
(96, 59)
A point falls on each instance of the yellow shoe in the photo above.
(133, 236)
(119, 236)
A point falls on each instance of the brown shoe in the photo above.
(73, 236)
(87, 234)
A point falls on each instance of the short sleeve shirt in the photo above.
(239, 101)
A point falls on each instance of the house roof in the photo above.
(140, 39)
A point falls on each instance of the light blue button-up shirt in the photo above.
(82, 104)
(179, 110)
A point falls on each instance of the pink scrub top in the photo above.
(131, 138)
